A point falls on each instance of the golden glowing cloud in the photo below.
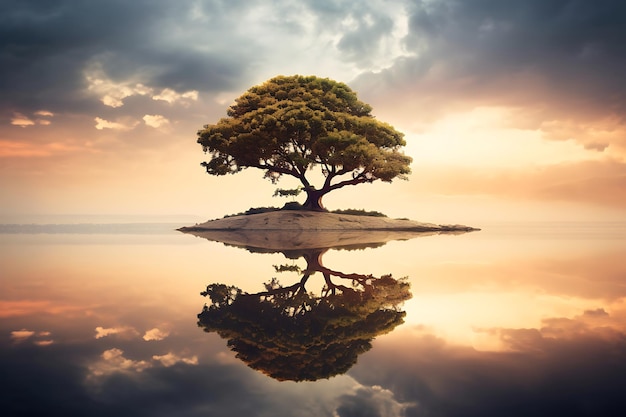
(156, 120)
(112, 93)
(127, 124)
(155, 334)
(104, 332)
(21, 120)
(171, 96)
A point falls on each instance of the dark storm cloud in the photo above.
(49, 49)
(362, 27)
(361, 42)
(558, 58)
(570, 42)
(46, 47)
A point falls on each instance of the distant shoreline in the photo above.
(88, 228)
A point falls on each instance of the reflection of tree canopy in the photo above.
(291, 334)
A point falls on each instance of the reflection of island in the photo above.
(289, 333)
(286, 230)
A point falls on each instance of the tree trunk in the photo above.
(314, 199)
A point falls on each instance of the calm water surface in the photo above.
(515, 320)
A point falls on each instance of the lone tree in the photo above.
(290, 125)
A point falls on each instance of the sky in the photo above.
(511, 110)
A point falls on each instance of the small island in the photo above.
(294, 125)
(306, 220)
(303, 229)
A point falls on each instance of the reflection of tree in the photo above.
(291, 334)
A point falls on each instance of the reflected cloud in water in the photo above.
(569, 366)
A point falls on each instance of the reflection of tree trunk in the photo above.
(314, 199)
(313, 259)
(314, 264)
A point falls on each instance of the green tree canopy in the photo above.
(291, 334)
(290, 125)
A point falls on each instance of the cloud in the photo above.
(21, 335)
(155, 334)
(155, 120)
(43, 118)
(556, 63)
(372, 401)
(112, 94)
(370, 35)
(21, 120)
(41, 338)
(63, 55)
(125, 125)
(571, 366)
(559, 64)
(170, 359)
(113, 360)
(108, 331)
(172, 96)
(48, 47)
(589, 328)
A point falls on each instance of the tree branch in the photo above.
(360, 179)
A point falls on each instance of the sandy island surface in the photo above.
(312, 220)
(286, 229)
